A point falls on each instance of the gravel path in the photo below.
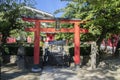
(107, 70)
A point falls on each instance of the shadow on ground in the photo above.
(107, 70)
(11, 72)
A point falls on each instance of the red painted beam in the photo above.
(84, 30)
(53, 20)
(62, 30)
(39, 20)
(30, 29)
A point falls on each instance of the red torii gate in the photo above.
(76, 30)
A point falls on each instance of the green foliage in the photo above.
(84, 50)
(11, 49)
(103, 16)
(10, 17)
(67, 36)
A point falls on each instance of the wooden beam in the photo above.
(62, 30)
(53, 30)
(53, 20)
(84, 30)
(30, 29)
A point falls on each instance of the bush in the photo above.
(11, 49)
(84, 50)
(30, 51)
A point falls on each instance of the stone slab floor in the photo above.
(107, 70)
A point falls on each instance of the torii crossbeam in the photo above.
(76, 30)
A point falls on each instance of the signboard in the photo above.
(60, 42)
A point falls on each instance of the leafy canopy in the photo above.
(10, 14)
(103, 16)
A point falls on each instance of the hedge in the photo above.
(84, 50)
(11, 49)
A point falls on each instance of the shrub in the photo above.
(84, 50)
(11, 49)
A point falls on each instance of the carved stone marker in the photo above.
(21, 58)
(94, 52)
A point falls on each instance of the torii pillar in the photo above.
(36, 43)
(37, 29)
(76, 44)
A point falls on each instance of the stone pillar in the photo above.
(93, 56)
(21, 58)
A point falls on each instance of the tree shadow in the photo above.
(10, 71)
(106, 72)
(109, 70)
(61, 73)
(9, 76)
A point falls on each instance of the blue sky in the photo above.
(50, 5)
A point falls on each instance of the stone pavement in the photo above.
(107, 70)
(52, 73)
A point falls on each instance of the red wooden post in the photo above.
(76, 43)
(37, 43)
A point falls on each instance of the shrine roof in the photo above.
(38, 13)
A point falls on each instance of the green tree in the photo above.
(103, 16)
(10, 14)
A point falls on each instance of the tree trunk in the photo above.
(105, 49)
(98, 42)
(5, 35)
(116, 54)
(100, 39)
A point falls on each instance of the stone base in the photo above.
(36, 68)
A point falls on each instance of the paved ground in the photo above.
(107, 70)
